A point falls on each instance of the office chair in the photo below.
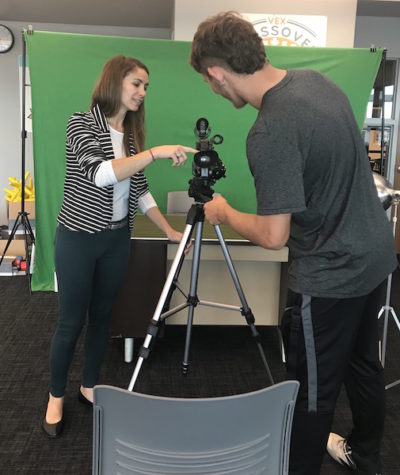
(244, 434)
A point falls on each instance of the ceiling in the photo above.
(136, 13)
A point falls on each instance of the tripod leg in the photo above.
(28, 227)
(385, 319)
(11, 237)
(246, 312)
(144, 351)
(175, 280)
(192, 297)
(392, 385)
(27, 233)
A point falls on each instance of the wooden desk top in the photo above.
(146, 229)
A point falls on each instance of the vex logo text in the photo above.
(279, 30)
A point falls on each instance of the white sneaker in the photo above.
(339, 450)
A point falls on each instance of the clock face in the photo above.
(6, 39)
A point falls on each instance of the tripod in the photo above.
(22, 218)
(195, 218)
(386, 309)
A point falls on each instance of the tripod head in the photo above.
(207, 167)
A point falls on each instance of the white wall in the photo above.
(341, 15)
(10, 120)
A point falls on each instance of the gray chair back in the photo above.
(245, 434)
(178, 202)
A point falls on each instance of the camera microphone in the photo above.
(202, 129)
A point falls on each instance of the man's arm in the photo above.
(269, 231)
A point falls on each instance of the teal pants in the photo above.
(90, 269)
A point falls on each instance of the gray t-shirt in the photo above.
(307, 157)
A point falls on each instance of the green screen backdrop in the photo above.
(63, 72)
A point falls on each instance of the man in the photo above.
(315, 194)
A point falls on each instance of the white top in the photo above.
(105, 176)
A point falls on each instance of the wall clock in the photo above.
(6, 39)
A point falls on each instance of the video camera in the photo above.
(207, 167)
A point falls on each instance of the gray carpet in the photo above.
(224, 360)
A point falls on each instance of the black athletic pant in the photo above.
(338, 342)
(90, 269)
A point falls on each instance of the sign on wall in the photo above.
(290, 30)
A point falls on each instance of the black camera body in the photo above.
(207, 167)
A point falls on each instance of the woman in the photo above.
(104, 186)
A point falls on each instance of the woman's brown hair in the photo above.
(107, 95)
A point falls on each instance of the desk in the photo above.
(141, 289)
(259, 273)
(258, 270)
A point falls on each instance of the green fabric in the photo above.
(65, 67)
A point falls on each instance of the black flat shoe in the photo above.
(84, 400)
(53, 430)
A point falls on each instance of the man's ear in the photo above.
(217, 73)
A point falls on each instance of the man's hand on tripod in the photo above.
(268, 231)
(215, 210)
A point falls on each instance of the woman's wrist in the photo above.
(168, 231)
(153, 158)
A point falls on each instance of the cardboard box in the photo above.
(14, 207)
(16, 248)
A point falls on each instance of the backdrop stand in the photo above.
(22, 218)
(387, 309)
(383, 158)
(388, 197)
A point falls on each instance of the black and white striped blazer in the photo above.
(87, 207)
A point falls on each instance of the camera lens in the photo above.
(204, 159)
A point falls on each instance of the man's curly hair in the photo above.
(227, 40)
